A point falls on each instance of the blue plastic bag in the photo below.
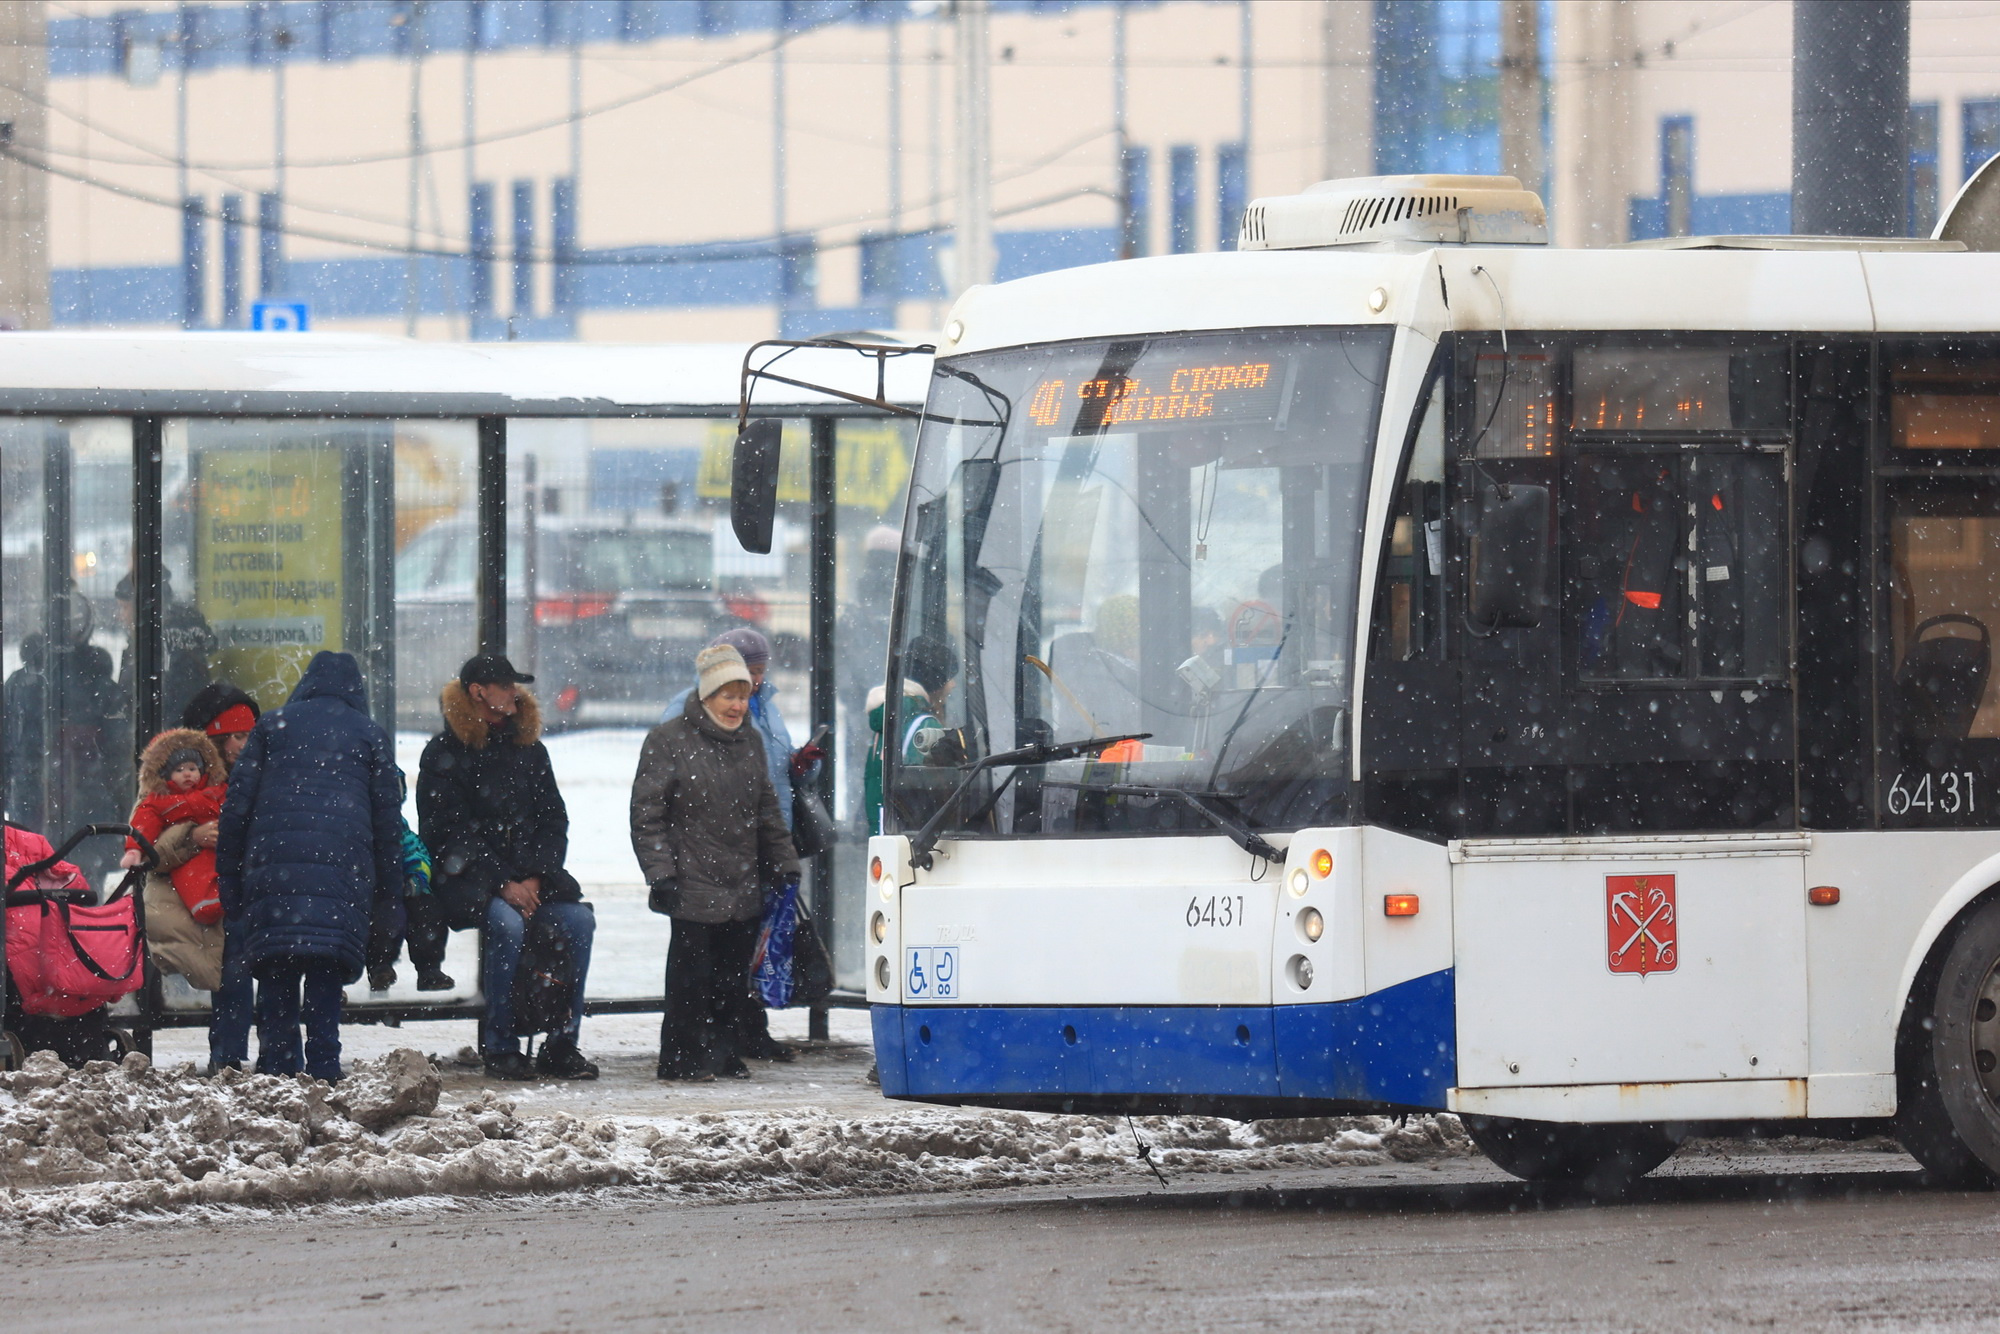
(771, 960)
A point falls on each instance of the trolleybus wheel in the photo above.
(1601, 1157)
(1948, 1113)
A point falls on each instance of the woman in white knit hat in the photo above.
(710, 838)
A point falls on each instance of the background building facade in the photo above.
(716, 169)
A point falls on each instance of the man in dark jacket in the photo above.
(308, 850)
(489, 811)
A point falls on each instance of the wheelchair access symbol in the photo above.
(932, 973)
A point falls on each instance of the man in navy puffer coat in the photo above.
(309, 849)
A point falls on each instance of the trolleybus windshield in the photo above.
(1143, 535)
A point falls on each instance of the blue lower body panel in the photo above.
(1393, 1048)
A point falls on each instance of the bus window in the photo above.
(1944, 403)
(1943, 762)
(1409, 613)
(1631, 389)
(1628, 579)
(1679, 566)
(1515, 408)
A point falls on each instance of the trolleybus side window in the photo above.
(1941, 765)
(1679, 566)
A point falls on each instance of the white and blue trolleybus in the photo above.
(1401, 665)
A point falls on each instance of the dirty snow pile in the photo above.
(112, 1141)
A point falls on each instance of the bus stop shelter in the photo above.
(180, 508)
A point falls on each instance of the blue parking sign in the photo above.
(280, 316)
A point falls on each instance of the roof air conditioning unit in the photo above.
(1428, 210)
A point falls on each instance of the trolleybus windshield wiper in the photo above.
(1239, 833)
(926, 838)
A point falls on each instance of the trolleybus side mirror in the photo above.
(1510, 556)
(753, 483)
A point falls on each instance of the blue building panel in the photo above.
(1715, 215)
(115, 294)
(375, 288)
(630, 278)
(815, 321)
(663, 277)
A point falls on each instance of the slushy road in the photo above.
(1783, 1244)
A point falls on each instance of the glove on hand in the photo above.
(805, 759)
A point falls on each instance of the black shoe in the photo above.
(734, 1068)
(776, 1051)
(214, 1069)
(560, 1059)
(434, 979)
(508, 1065)
(381, 979)
(684, 1076)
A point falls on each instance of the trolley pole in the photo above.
(1850, 112)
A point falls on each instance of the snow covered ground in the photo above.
(116, 1142)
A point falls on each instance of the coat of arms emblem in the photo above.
(1640, 932)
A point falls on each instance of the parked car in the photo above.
(620, 607)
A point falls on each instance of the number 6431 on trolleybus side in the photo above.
(1400, 665)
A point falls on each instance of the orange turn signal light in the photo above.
(1823, 896)
(1399, 905)
(1322, 863)
(874, 868)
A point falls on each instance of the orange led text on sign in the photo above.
(1190, 394)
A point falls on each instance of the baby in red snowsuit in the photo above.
(181, 781)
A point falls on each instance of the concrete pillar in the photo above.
(24, 191)
(1521, 153)
(1850, 118)
(1347, 88)
(1596, 139)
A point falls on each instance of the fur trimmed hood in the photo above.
(153, 760)
(462, 717)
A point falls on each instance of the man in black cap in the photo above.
(497, 830)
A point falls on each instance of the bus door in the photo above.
(1648, 710)
(1939, 761)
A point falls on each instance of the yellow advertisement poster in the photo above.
(871, 461)
(268, 553)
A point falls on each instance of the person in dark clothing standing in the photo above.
(709, 837)
(498, 832)
(178, 943)
(309, 850)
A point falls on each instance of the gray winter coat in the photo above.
(705, 816)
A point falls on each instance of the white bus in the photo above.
(1550, 686)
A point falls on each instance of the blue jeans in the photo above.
(278, 1017)
(501, 954)
(232, 1002)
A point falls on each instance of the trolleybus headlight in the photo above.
(878, 927)
(1299, 883)
(1300, 970)
(1311, 925)
(882, 971)
(1322, 863)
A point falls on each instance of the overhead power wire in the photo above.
(459, 145)
(758, 247)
